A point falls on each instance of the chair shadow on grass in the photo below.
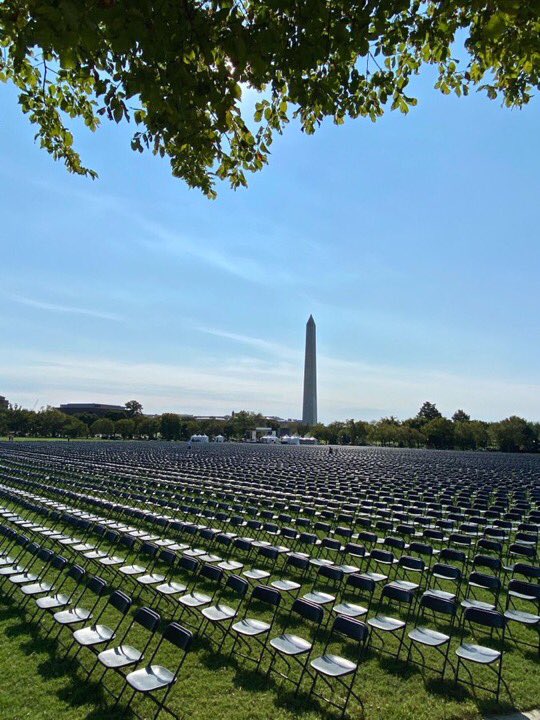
(253, 681)
(77, 692)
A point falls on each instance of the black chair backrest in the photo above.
(331, 573)
(525, 588)
(366, 584)
(493, 563)
(179, 636)
(147, 618)
(238, 584)
(169, 557)
(421, 548)
(486, 618)
(59, 562)
(450, 572)
(452, 555)
(242, 544)
(120, 601)
(149, 549)
(308, 610)
(188, 564)
(398, 594)
(530, 571)
(351, 628)
(264, 594)
(411, 563)
(269, 552)
(438, 604)
(97, 585)
(489, 582)
(298, 562)
(211, 572)
(76, 572)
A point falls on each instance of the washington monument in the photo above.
(309, 411)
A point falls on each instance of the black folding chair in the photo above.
(433, 638)
(253, 629)
(124, 654)
(289, 646)
(335, 669)
(382, 625)
(153, 678)
(97, 634)
(218, 617)
(486, 656)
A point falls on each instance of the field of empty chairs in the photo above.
(253, 582)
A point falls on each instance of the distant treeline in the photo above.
(426, 429)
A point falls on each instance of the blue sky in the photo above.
(414, 243)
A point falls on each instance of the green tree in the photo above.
(170, 426)
(439, 433)
(460, 416)
(428, 412)
(464, 435)
(103, 426)
(177, 69)
(133, 408)
(514, 435)
(125, 428)
(74, 428)
(50, 422)
(148, 427)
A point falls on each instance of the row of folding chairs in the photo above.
(405, 564)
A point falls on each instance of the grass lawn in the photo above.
(40, 682)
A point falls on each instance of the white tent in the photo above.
(199, 438)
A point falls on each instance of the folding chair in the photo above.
(169, 588)
(293, 647)
(153, 678)
(98, 633)
(440, 574)
(125, 655)
(332, 578)
(194, 600)
(382, 625)
(74, 616)
(427, 637)
(356, 587)
(406, 566)
(270, 554)
(285, 585)
(248, 628)
(335, 669)
(481, 583)
(481, 654)
(26, 578)
(221, 615)
(525, 592)
(58, 564)
(61, 599)
(383, 560)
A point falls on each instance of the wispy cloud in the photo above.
(55, 307)
(270, 384)
(249, 269)
(267, 346)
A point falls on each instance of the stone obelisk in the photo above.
(309, 411)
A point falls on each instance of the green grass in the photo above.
(38, 682)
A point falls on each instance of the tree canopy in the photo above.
(178, 68)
